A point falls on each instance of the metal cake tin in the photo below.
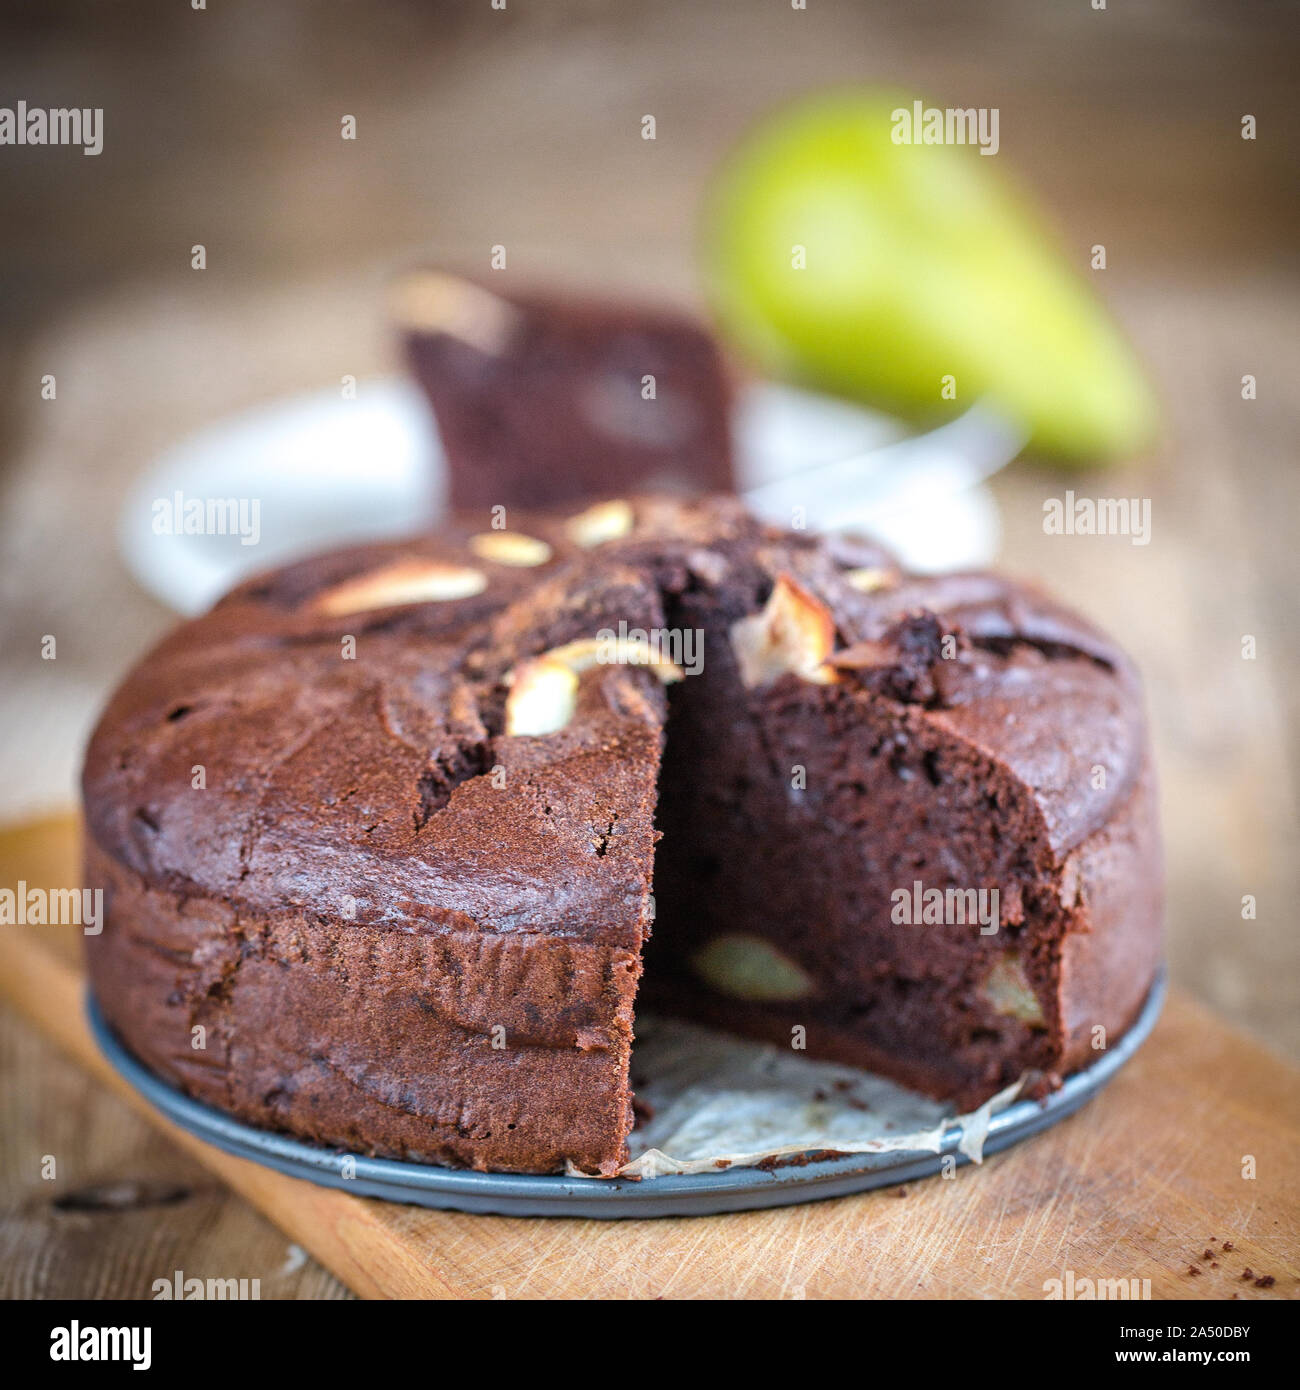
(694, 1194)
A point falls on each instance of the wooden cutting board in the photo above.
(1137, 1185)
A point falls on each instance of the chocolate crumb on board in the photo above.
(1207, 1254)
(1227, 1245)
(1192, 1269)
(1248, 1273)
(1042, 1087)
(1265, 1282)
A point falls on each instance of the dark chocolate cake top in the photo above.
(466, 727)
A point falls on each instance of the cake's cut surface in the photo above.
(379, 832)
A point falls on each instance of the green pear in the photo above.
(912, 277)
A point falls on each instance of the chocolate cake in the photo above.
(544, 399)
(385, 834)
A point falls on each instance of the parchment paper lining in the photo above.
(715, 1101)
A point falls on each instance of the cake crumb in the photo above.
(1227, 1245)
(1265, 1282)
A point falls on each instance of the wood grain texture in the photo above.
(125, 1206)
(1136, 1186)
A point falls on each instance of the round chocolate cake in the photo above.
(389, 837)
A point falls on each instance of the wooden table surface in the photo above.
(487, 127)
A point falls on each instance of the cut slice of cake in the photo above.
(542, 399)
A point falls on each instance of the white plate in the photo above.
(317, 470)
